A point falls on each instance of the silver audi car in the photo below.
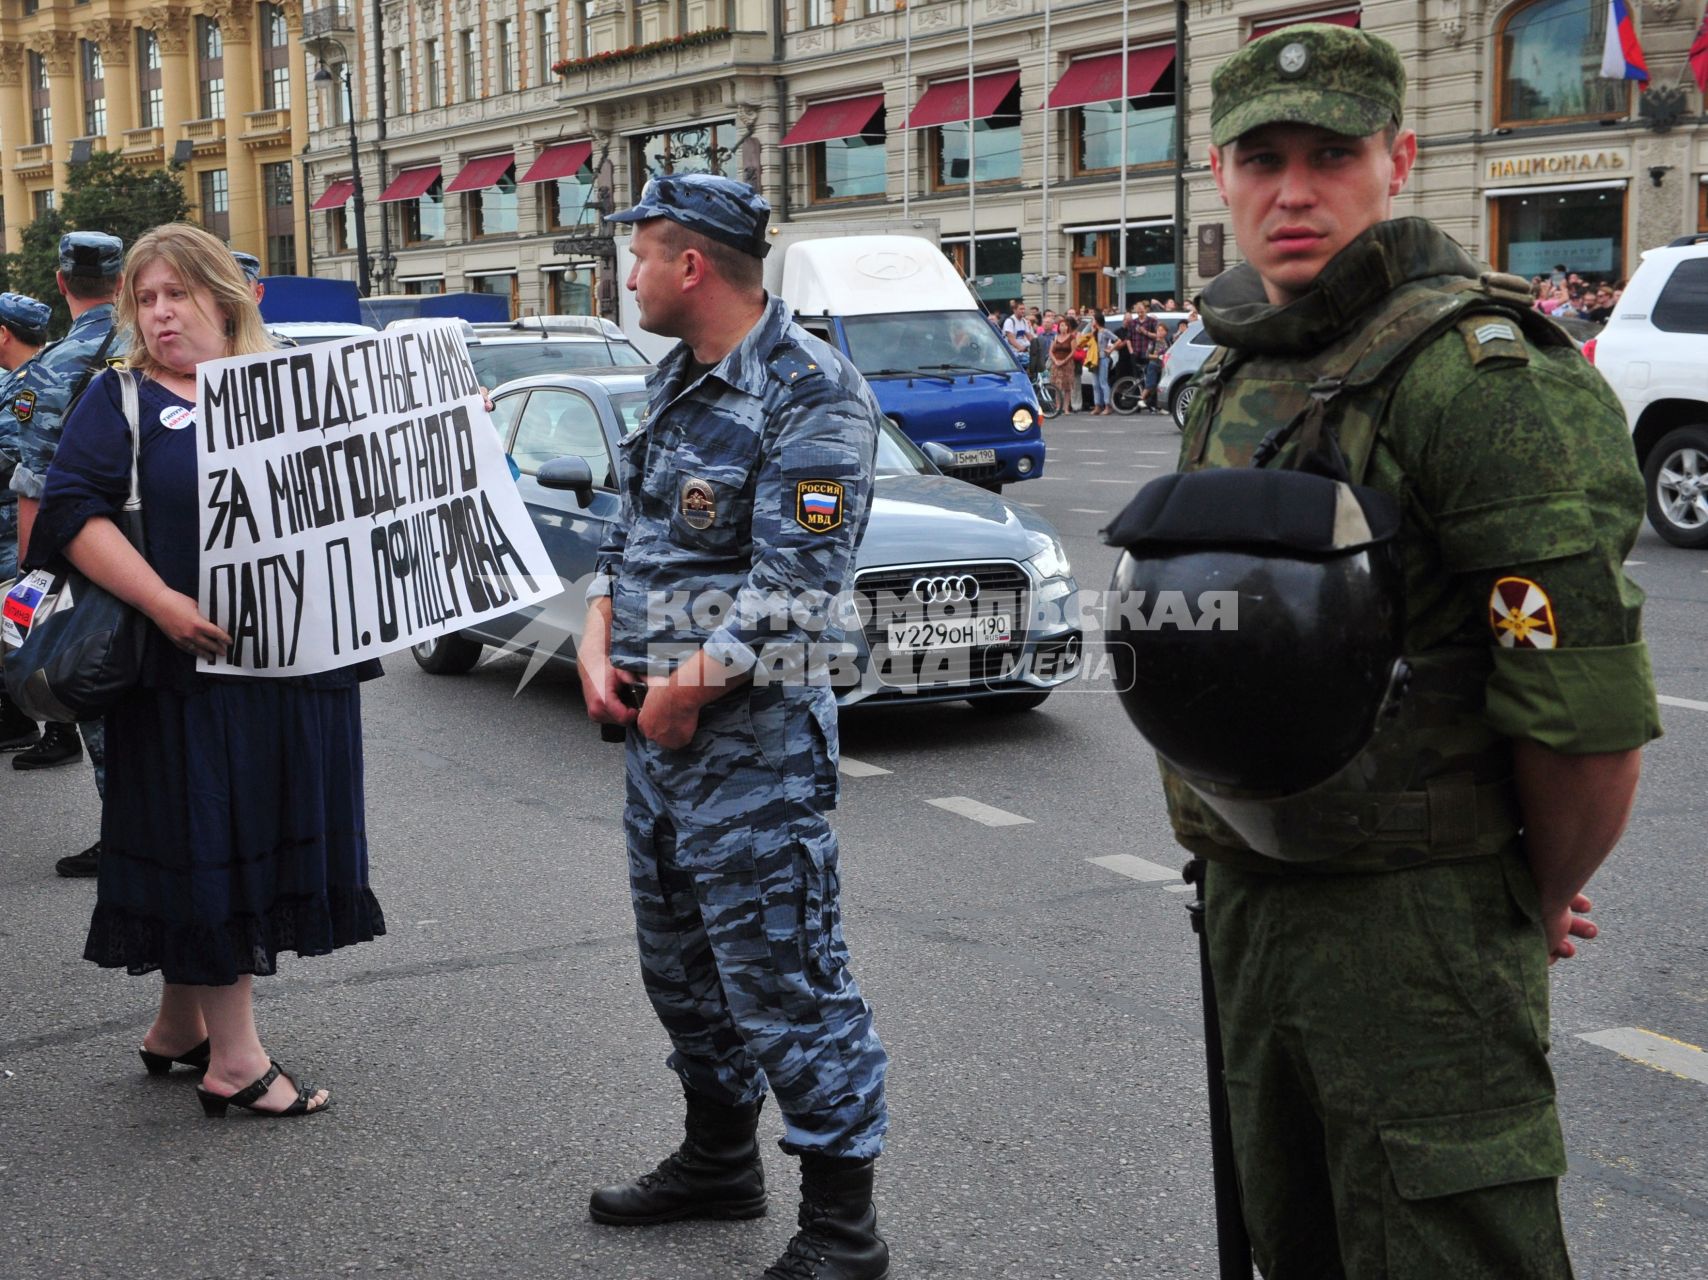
(957, 593)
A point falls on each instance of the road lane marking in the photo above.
(1179, 888)
(1135, 868)
(967, 807)
(1663, 1053)
(1078, 449)
(860, 769)
(1088, 511)
(1635, 564)
(1686, 703)
(1155, 453)
(1095, 480)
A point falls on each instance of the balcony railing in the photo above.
(204, 132)
(266, 124)
(144, 141)
(329, 20)
(35, 156)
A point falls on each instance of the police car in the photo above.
(958, 593)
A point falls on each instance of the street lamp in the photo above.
(324, 77)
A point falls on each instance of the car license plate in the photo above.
(975, 457)
(949, 633)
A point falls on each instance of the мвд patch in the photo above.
(818, 505)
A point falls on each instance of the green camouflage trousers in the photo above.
(1386, 1038)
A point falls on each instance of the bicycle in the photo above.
(1049, 399)
(1127, 396)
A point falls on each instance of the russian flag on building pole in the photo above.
(1699, 55)
(1622, 56)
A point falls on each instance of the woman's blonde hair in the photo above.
(200, 260)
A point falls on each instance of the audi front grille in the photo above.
(890, 596)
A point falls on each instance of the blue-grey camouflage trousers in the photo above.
(733, 873)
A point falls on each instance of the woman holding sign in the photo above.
(234, 825)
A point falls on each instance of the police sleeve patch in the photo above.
(1521, 615)
(24, 406)
(818, 505)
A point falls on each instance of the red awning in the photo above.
(560, 160)
(479, 174)
(334, 196)
(946, 101)
(1099, 79)
(411, 184)
(1345, 18)
(825, 121)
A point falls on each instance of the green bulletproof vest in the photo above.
(1311, 382)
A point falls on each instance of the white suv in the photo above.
(1654, 353)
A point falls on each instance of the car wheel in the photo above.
(1003, 704)
(1676, 473)
(1180, 402)
(450, 655)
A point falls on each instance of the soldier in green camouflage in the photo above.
(1385, 1006)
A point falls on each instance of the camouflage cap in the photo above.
(249, 264)
(727, 211)
(94, 255)
(24, 316)
(1337, 78)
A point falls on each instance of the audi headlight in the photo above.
(1022, 419)
(1052, 561)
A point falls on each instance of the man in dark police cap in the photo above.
(749, 480)
(23, 333)
(1380, 939)
(91, 264)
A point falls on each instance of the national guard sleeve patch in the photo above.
(818, 505)
(1521, 615)
(24, 406)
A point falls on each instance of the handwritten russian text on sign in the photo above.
(355, 501)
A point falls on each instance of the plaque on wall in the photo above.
(1210, 262)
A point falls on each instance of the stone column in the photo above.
(59, 51)
(179, 101)
(300, 89)
(242, 73)
(15, 113)
(117, 40)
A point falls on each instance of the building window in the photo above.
(701, 149)
(397, 84)
(42, 201)
(432, 75)
(466, 55)
(339, 94)
(1096, 132)
(570, 292)
(216, 202)
(996, 147)
(996, 281)
(41, 111)
(424, 217)
(423, 284)
(275, 59)
(151, 101)
(545, 43)
(850, 168)
(1549, 64)
(210, 68)
(568, 201)
(505, 286)
(493, 210)
(1095, 254)
(505, 54)
(278, 191)
(584, 37)
(94, 91)
(338, 227)
(1536, 231)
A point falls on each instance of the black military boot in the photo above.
(59, 745)
(715, 1173)
(17, 730)
(838, 1239)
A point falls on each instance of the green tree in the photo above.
(102, 194)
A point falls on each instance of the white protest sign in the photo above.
(355, 500)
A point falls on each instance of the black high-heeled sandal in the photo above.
(160, 1064)
(215, 1104)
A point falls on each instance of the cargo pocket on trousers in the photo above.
(821, 909)
(1446, 1155)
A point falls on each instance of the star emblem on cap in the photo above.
(1293, 58)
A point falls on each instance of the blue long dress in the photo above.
(234, 821)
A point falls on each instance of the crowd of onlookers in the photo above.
(1063, 346)
(1566, 295)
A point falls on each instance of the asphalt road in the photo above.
(493, 1057)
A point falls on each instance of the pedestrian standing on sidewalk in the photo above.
(23, 333)
(748, 481)
(234, 827)
(90, 266)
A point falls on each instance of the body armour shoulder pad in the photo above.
(791, 365)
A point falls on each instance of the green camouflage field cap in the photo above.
(1336, 78)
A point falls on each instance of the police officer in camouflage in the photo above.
(91, 264)
(1381, 961)
(745, 491)
(23, 333)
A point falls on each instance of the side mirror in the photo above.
(571, 473)
(941, 455)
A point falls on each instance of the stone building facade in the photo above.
(508, 125)
(216, 84)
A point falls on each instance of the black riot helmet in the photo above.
(1255, 625)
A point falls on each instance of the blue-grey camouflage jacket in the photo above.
(744, 496)
(8, 436)
(34, 410)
